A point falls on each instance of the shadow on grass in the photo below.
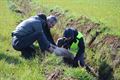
(9, 59)
(105, 72)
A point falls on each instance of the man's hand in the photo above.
(51, 48)
(60, 42)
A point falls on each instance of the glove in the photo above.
(63, 52)
(51, 48)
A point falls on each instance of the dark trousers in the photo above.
(79, 58)
(28, 52)
(25, 44)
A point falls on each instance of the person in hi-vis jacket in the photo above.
(73, 40)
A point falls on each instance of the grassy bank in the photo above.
(102, 59)
(105, 11)
(14, 67)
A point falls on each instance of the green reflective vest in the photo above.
(74, 46)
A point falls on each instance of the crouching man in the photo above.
(35, 28)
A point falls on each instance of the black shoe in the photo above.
(68, 61)
(28, 55)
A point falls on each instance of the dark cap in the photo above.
(69, 32)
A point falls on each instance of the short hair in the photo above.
(52, 17)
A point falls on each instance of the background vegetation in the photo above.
(102, 57)
(106, 11)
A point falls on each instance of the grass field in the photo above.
(14, 67)
(105, 11)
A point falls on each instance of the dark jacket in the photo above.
(46, 30)
(23, 28)
(28, 26)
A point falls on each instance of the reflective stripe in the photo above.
(79, 35)
(74, 46)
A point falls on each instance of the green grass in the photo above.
(78, 73)
(14, 67)
(105, 11)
